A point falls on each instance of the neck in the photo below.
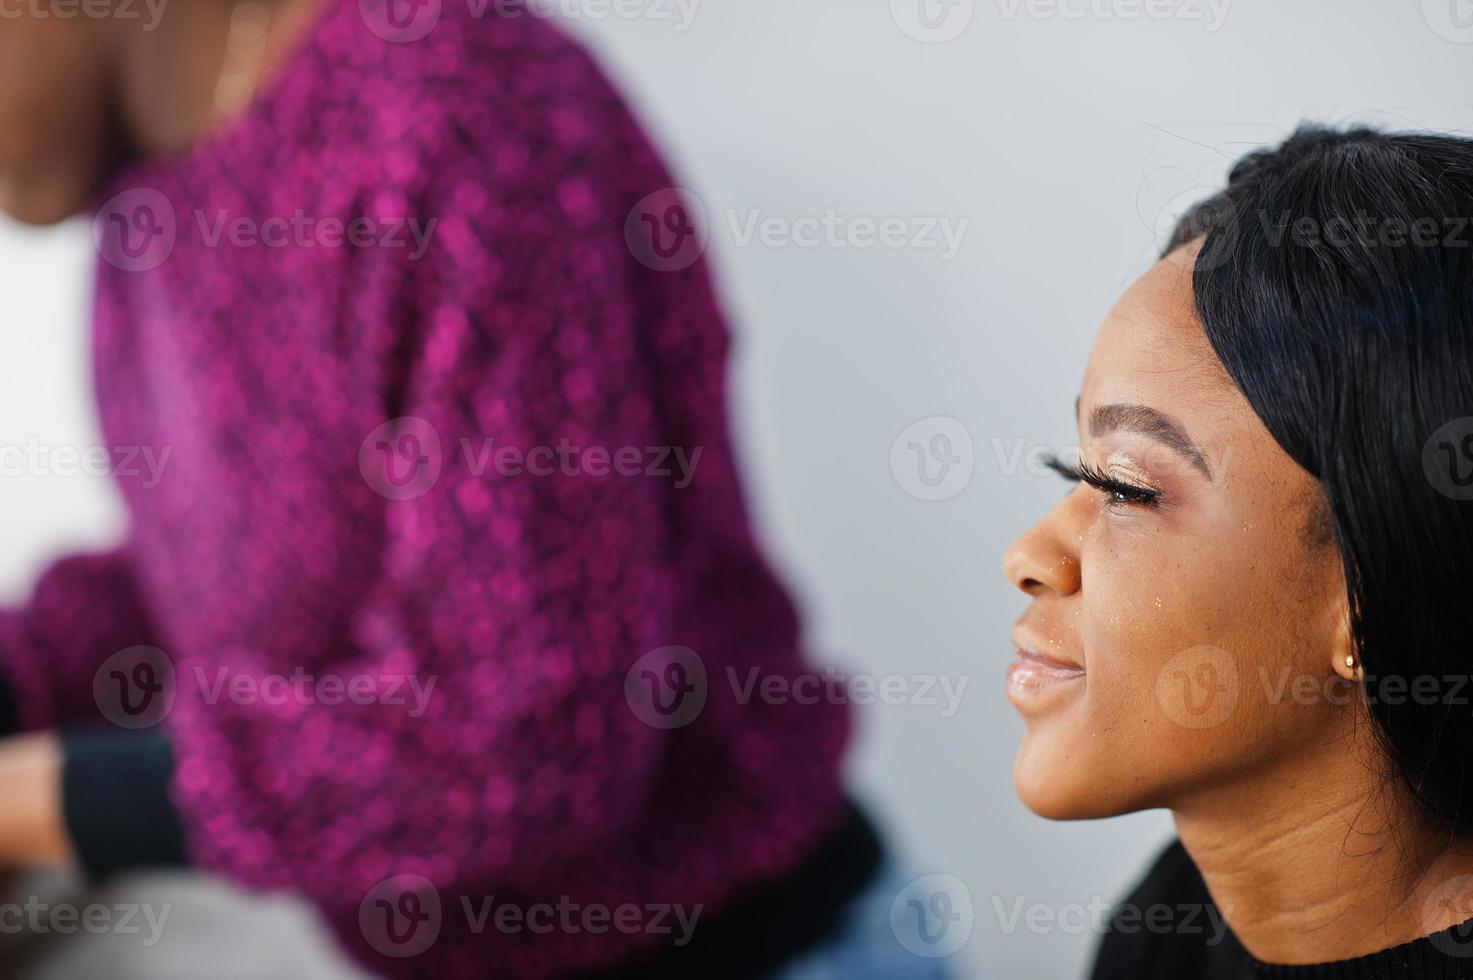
(169, 77)
(1306, 870)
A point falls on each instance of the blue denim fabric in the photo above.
(869, 944)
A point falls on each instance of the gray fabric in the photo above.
(160, 926)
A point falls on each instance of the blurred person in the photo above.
(440, 567)
(1253, 610)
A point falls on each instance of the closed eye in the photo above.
(1118, 491)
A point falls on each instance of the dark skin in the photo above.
(77, 95)
(1277, 799)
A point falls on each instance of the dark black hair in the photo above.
(1335, 284)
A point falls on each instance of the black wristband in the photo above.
(115, 800)
(9, 710)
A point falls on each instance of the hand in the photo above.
(32, 829)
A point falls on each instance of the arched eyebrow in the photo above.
(1159, 426)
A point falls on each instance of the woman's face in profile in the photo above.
(1174, 611)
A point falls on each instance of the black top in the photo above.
(1184, 937)
(772, 923)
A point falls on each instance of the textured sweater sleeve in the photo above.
(525, 565)
(452, 526)
(84, 610)
(67, 658)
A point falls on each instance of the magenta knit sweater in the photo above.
(492, 570)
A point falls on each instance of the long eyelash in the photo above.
(1084, 473)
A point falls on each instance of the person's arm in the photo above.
(513, 595)
(74, 785)
(83, 610)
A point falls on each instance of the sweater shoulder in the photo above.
(478, 86)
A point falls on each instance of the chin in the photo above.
(1059, 786)
(43, 197)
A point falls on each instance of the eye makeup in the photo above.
(1124, 483)
(1124, 468)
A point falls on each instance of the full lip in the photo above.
(1035, 678)
(1029, 650)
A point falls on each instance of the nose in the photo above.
(1042, 560)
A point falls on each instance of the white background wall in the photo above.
(1065, 134)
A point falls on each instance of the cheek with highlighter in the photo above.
(1188, 623)
(1108, 738)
